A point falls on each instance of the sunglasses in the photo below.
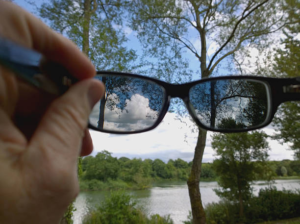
(134, 103)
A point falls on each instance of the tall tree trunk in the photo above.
(90, 7)
(86, 27)
(194, 178)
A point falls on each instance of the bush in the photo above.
(120, 208)
(223, 212)
(94, 185)
(117, 185)
(272, 204)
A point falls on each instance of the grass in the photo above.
(286, 221)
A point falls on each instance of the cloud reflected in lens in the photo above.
(136, 115)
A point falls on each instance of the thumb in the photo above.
(62, 128)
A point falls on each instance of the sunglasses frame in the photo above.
(280, 90)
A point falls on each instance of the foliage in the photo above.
(270, 204)
(223, 212)
(96, 27)
(207, 172)
(101, 167)
(107, 172)
(235, 166)
(136, 173)
(168, 28)
(68, 216)
(120, 208)
(287, 64)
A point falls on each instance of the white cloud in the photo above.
(136, 114)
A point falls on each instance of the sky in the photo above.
(172, 139)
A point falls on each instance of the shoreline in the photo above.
(121, 185)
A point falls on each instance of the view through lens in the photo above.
(130, 104)
(233, 104)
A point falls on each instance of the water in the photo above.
(168, 198)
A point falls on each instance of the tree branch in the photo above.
(233, 32)
(172, 17)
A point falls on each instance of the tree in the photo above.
(207, 172)
(168, 28)
(283, 171)
(96, 27)
(235, 165)
(101, 167)
(159, 168)
(287, 64)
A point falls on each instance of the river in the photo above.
(168, 198)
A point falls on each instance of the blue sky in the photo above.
(172, 139)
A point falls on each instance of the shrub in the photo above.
(117, 185)
(95, 185)
(223, 212)
(272, 204)
(120, 208)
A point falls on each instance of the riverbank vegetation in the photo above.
(121, 208)
(105, 172)
(270, 204)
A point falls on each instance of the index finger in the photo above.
(23, 28)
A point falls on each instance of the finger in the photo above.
(87, 144)
(36, 35)
(60, 133)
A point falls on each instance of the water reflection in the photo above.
(168, 198)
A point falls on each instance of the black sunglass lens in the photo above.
(230, 104)
(130, 104)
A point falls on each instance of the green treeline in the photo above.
(107, 172)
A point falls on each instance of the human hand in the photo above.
(41, 137)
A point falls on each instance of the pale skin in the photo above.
(41, 136)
